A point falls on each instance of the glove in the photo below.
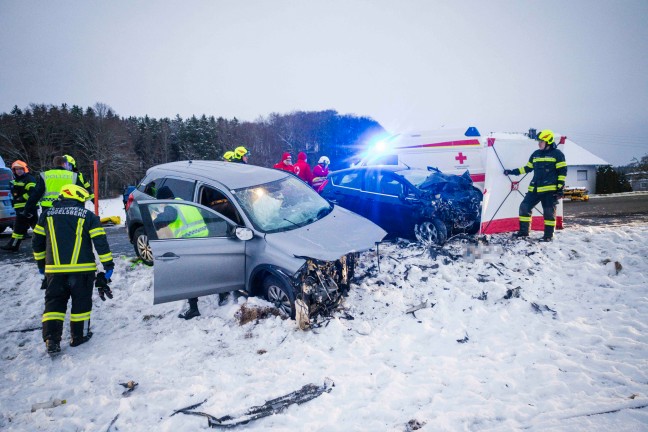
(559, 195)
(102, 286)
(109, 275)
(507, 172)
(41, 270)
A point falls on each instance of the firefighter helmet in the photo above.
(75, 192)
(241, 151)
(19, 164)
(228, 155)
(71, 160)
(547, 136)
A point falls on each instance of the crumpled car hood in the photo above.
(328, 239)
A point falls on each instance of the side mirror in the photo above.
(243, 233)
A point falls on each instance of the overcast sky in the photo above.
(577, 67)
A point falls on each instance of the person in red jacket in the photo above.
(320, 172)
(302, 169)
(285, 164)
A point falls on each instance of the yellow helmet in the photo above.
(71, 160)
(547, 136)
(228, 155)
(72, 191)
(240, 151)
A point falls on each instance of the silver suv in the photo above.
(267, 233)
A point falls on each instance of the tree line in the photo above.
(126, 147)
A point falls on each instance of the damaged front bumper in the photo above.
(320, 287)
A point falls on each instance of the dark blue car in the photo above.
(411, 203)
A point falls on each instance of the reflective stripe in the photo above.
(525, 218)
(53, 316)
(544, 159)
(550, 222)
(39, 256)
(97, 232)
(55, 255)
(77, 241)
(105, 257)
(39, 230)
(19, 205)
(522, 170)
(561, 164)
(547, 188)
(85, 316)
(70, 268)
(17, 236)
(562, 177)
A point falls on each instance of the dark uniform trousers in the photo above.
(22, 224)
(549, 203)
(60, 287)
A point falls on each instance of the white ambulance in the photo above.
(451, 151)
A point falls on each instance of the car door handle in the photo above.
(167, 257)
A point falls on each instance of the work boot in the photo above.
(520, 234)
(546, 238)
(192, 312)
(52, 346)
(76, 341)
(12, 246)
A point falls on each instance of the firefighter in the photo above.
(241, 155)
(547, 186)
(183, 223)
(228, 156)
(21, 186)
(49, 184)
(82, 181)
(320, 172)
(63, 240)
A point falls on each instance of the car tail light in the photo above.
(130, 201)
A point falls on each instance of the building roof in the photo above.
(574, 153)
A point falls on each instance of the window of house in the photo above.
(581, 175)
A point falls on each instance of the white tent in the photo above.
(503, 194)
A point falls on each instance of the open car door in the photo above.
(195, 250)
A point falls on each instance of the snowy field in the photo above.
(515, 335)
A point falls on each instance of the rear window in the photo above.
(351, 180)
(5, 178)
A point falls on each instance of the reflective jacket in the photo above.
(188, 223)
(549, 170)
(64, 236)
(48, 188)
(21, 187)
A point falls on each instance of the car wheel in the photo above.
(142, 247)
(279, 295)
(432, 232)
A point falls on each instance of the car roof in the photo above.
(230, 174)
(389, 168)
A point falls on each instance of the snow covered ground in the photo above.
(515, 335)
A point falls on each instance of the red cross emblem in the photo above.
(461, 158)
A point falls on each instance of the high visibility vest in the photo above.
(189, 223)
(54, 180)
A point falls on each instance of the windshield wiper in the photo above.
(288, 220)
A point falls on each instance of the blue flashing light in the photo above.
(472, 131)
(380, 147)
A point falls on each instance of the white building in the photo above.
(581, 165)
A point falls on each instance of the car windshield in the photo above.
(416, 177)
(282, 205)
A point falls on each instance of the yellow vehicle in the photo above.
(577, 193)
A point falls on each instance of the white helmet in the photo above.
(324, 160)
